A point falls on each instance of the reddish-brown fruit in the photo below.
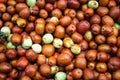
(73, 4)
(2, 57)
(83, 45)
(21, 63)
(41, 59)
(114, 63)
(30, 70)
(11, 53)
(5, 67)
(64, 59)
(95, 19)
(29, 27)
(52, 61)
(77, 73)
(83, 26)
(45, 70)
(48, 50)
(102, 11)
(102, 56)
(13, 73)
(70, 29)
(76, 37)
(88, 74)
(101, 67)
(65, 20)
(59, 31)
(80, 62)
(61, 4)
(91, 55)
(29, 55)
(16, 39)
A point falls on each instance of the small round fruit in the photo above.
(68, 42)
(77, 73)
(47, 38)
(93, 4)
(45, 70)
(60, 76)
(37, 48)
(75, 48)
(57, 43)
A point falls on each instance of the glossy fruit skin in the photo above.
(29, 55)
(109, 21)
(61, 4)
(95, 19)
(11, 9)
(70, 29)
(52, 61)
(77, 73)
(5, 67)
(6, 16)
(3, 7)
(30, 70)
(114, 63)
(83, 41)
(30, 27)
(13, 73)
(2, 76)
(88, 74)
(102, 56)
(22, 63)
(20, 6)
(2, 57)
(114, 10)
(83, 26)
(34, 10)
(104, 47)
(89, 12)
(69, 76)
(101, 10)
(65, 21)
(101, 67)
(48, 50)
(59, 31)
(91, 55)
(76, 37)
(103, 3)
(106, 30)
(91, 65)
(80, 15)
(93, 45)
(41, 59)
(49, 7)
(84, 45)
(102, 76)
(24, 13)
(57, 13)
(25, 78)
(45, 70)
(50, 28)
(115, 74)
(70, 67)
(11, 53)
(16, 39)
(80, 63)
(64, 59)
(73, 4)
(100, 39)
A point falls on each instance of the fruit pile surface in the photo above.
(59, 39)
